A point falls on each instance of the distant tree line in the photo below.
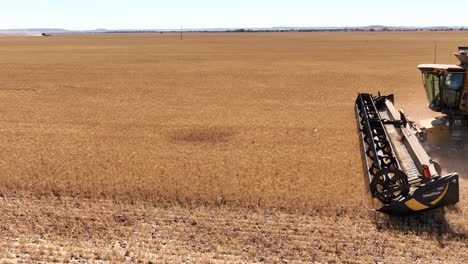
(348, 29)
(352, 29)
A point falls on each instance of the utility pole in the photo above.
(181, 29)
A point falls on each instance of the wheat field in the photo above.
(234, 147)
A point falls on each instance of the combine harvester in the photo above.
(399, 171)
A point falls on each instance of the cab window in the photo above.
(453, 87)
(431, 84)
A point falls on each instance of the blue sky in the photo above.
(147, 14)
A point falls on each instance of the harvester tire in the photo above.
(437, 167)
(452, 152)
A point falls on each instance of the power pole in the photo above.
(181, 29)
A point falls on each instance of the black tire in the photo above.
(452, 152)
(437, 166)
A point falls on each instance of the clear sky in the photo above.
(157, 14)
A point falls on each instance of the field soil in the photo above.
(234, 147)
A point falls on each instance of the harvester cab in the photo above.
(398, 169)
(446, 87)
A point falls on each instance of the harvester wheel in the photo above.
(389, 185)
(437, 167)
(452, 152)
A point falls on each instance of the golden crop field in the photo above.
(234, 147)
